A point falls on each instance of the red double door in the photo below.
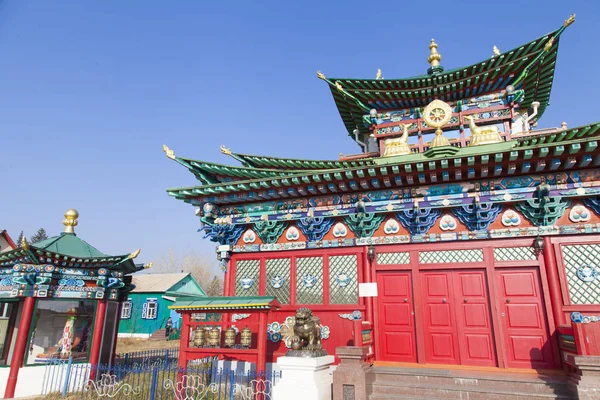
(457, 322)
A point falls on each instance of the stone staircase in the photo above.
(158, 335)
(436, 384)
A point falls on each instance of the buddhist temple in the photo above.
(61, 299)
(463, 234)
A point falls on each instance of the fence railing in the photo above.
(200, 380)
(148, 357)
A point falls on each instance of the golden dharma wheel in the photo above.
(230, 337)
(214, 337)
(246, 338)
(199, 337)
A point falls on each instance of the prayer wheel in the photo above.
(214, 337)
(230, 337)
(246, 338)
(199, 337)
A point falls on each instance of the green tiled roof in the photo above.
(297, 164)
(530, 65)
(226, 303)
(69, 245)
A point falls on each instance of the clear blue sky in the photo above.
(91, 90)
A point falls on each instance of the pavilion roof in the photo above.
(551, 150)
(67, 250)
(530, 66)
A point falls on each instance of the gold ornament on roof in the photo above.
(338, 85)
(148, 265)
(320, 75)
(170, 153)
(378, 76)
(24, 244)
(548, 45)
(397, 146)
(570, 20)
(225, 150)
(437, 114)
(134, 254)
(483, 134)
(496, 51)
(70, 220)
(434, 57)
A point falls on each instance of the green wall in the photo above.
(137, 325)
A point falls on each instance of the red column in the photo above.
(20, 347)
(97, 337)
(367, 277)
(261, 362)
(553, 282)
(184, 340)
(226, 278)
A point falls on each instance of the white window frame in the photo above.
(150, 309)
(126, 309)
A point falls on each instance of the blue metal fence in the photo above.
(161, 380)
(148, 357)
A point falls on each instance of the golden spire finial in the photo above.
(496, 51)
(24, 244)
(70, 220)
(320, 75)
(170, 153)
(134, 254)
(434, 57)
(570, 20)
(225, 150)
(378, 76)
(148, 265)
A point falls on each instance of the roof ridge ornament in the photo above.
(379, 75)
(569, 21)
(24, 244)
(437, 114)
(496, 51)
(134, 254)
(225, 150)
(70, 221)
(170, 153)
(434, 59)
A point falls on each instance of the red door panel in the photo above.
(396, 316)
(523, 317)
(474, 327)
(441, 345)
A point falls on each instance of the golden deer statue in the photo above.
(397, 146)
(483, 134)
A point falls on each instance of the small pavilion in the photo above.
(62, 299)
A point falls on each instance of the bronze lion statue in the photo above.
(307, 331)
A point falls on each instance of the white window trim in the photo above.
(150, 309)
(126, 309)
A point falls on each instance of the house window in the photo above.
(126, 310)
(150, 309)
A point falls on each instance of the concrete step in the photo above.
(429, 391)
(435, 384)
(544, 384)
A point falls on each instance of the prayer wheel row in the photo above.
(211, 337)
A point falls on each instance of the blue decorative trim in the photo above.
(477, 217)
(418, 220)
(354, 316)
(578, 318)
(223, 234)
(315, 228)
(593, 203)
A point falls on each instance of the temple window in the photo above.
(60, 329)
(309, 280)
(248, 275)
(343, 282)
(278, 279)
(126, 310)
(150, 309)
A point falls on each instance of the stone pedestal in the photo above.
(349, 378)
(304, 378)
(586, 381)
